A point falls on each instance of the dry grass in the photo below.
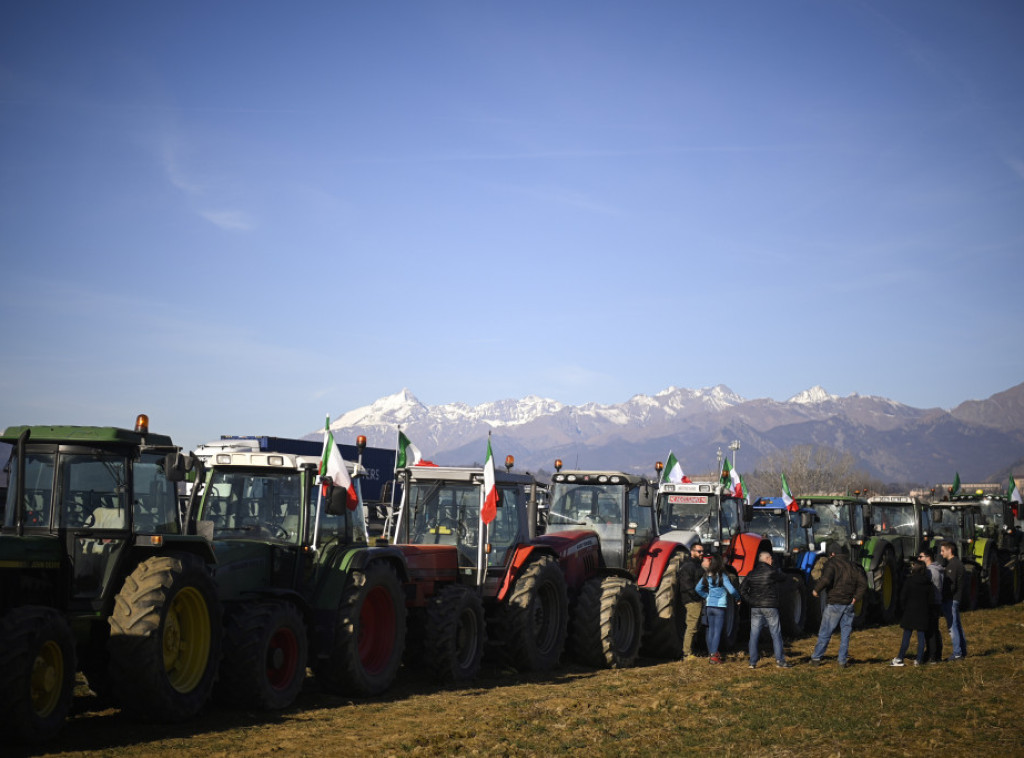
(968, 708)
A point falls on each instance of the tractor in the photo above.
(705, 512)
(791, 537)
(900, 527)
(620, 509)
(996, 548)
(97, 576)
(845, 519)
(954, 522)
(299, 581)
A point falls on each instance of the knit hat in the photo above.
(833, 548)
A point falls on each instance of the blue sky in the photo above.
(240, 216)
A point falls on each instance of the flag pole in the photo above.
(391, 521)
(320, 489)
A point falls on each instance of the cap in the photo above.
(833, 548)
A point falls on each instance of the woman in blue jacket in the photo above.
(715, 588)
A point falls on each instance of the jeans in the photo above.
(693, 610)
(951, 610)
(759, 618)
(906, 643)
(835, 616)
(716, 620)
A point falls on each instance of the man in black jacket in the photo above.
(690, 573)
(760, 591)
(952, 597)
(846, 585)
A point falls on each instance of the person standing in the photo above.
(846, 585)
(715, 588)
(915, 599)
(761, 593)
(952, 599)
(934, 639)
(689, 574)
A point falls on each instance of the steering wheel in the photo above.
(276, 530)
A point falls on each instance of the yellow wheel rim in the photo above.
(186, 639)
(47, 679)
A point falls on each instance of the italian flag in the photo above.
(489, 509)
(1013, 492)
(674, 470)
(333, 465)
(731, 479)
(408, 453)
(787, 496)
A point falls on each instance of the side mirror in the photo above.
(937, 516)
(806, 520)
(176, 466)
(335, 498)
(748, 512)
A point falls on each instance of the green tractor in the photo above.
(300, 583)
(96, 575)
(954, 522)
(900, 525)
(995, 547)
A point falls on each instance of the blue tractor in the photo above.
(791, 537)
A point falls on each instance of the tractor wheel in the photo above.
(815, 609)
(972, 576)
(886, 583)
(165, 638)
(991, 582)
(793, 612)
(730, 626)
(608, 623)
(455, 634)
(664, 615)
(537, 616)
(265, 656)
(860, 610)
(369, 634)
(37, 673)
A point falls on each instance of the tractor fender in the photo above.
(357, 558)
(873, 550)
(521, 556)
(742, 553)
(655, 560)
(981, 552)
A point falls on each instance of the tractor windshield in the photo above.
(988, 519)
(689, 513)
(448, 513)
(946, 524)
(896, 520)
(253, 504)
(832, 523)
(771, 524)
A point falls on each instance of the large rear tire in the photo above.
(165, 638)
(369, 635)
(608, 623)
(37, 673)
(665, 614)
(455, 634)
(793, 612)
(991, 574)
(886, 582)
(536, 616)
(265, 656)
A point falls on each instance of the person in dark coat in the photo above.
(689, 574)
(846, 585)
(953, 598)
(915, 599)
(938, 576)
(761, 593)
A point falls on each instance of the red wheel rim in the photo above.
(282, 658)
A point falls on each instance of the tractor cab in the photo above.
(700, 512)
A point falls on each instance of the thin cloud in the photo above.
(232, 221)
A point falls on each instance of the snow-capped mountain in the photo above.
(893, 441)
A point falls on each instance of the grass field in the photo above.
(969, 708)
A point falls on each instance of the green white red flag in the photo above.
(489, 508)
(408, 453)
(1013, 493)
(674, 470)
(731, 480)
(787, 496)
(333, 465)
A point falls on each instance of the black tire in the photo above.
(793, 613)
(608, 623)
(165, 638)
(37, 673)
(665, 614)
(886, 582)
(536, 616)
(991, 578)
(369, 634)
(972, 576)
(265, 656)
(455, 634)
